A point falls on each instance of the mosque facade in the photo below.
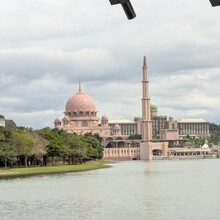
(80, 117)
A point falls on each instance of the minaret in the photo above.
(80, 89)
(146, 114)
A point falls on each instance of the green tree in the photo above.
(56, 146)
(215, 137)
(7, 153)
(24, 144)
(40, 148)
(95, 150)
(135, 137)
(214, 127)
(7, 150)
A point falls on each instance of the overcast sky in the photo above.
(46, 45)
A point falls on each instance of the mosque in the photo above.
(80, 117)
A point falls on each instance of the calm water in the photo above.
(184, 189)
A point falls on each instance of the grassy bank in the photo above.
(19, 172)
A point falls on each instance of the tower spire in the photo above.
(80, 89)
(145, 62)
(146, 114)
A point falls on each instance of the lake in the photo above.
(155, 190)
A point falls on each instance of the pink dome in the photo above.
(117, 127)
(66, 118)
(104, 118)
(80, 102)
(57, 120)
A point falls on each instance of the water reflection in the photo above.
(129, 190)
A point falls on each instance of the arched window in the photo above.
(87, 113)
(68, 114)
(74, 114)
(81, 114)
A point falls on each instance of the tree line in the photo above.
(214, 133)
(23, 147)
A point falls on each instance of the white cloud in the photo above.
(46, 45)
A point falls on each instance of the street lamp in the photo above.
(215, 2)
(127, 6)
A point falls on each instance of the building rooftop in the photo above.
(10, 123)
(193, 120)
(121, 121)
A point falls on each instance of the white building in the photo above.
(193, 128)
(2, 121)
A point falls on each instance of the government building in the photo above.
(193, 128)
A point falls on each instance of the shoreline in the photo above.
(35, 171)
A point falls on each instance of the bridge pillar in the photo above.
(147, 147)
(146, 151)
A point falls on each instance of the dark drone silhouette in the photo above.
(215, 2)
(130, 13)
(127, 6)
